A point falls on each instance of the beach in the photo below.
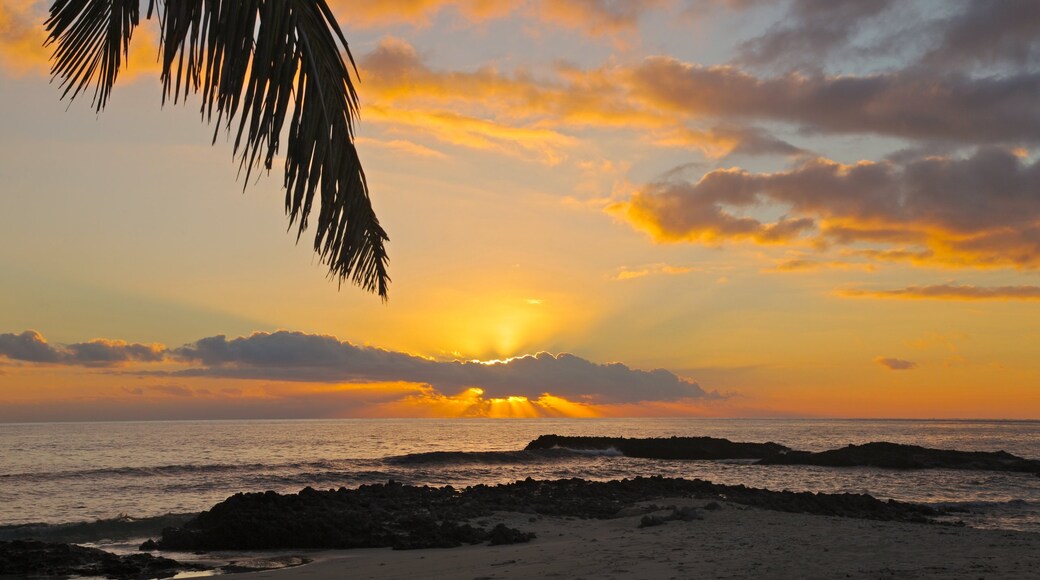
(425, 499)
(732, 542)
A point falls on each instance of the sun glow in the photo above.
(472, 403)
(492, 325)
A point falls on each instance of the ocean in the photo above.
(57, 474)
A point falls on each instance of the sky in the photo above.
(726, 208)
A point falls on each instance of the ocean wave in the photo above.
(1013, 504)
(178, 469)
(608, 452)
(494, 457)
(118, 528)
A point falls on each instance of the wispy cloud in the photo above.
(627, 273)
(794, 265)
(895, 364)
(402, 146)
(948, 292)
(591, 17)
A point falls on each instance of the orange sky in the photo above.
(676, 207)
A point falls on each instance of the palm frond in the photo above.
(93, 36)
(256, 64)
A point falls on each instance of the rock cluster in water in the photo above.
(663, 448)
(29, 558)
(878, 454)
(896, 456)
(403, 516)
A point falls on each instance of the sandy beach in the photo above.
(732, 542)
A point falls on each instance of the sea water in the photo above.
(75, 472)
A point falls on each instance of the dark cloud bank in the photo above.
(30, 346)
(295, 356)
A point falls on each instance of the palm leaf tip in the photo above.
(263, 69)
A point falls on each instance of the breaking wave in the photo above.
(118, 528)
(494, 457)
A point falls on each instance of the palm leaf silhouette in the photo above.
(256, 64)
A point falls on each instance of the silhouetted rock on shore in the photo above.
(897, 456)
(663, 448)
(394, 515)
(29, 558)
(423, 517)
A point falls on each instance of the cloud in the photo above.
(30, 346)
(895, 364)
(725, 140)
(672, 103)
(167, 390)
(808, 265)
(299, 357)
(987, 32)
(590, 17)
(667, 102)
(596, 17)
(980, 211)
(101, 352)
(909, 103)
(174, 390)
(22, 35)
(472, 403)
(401, 146)
(489, 108)
(294, 356)
(369, 13)
(22, 38)
(812, 28)
(949, 292)
(814, 33)
(626, 273)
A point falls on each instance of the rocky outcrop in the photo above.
(406, 517)
(29, 558)
(898, 456)
(373, 516)
(878, 454)
(663, 448)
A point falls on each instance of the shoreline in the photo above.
(635, 530)
(732, 542)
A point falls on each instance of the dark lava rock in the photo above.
(24, 558)
(664, 448)
(897, 456)
(686, 514)
(372, 516)
(649, 521)
(406, 517)
(712, 506)
(683, 514)
(502, 534)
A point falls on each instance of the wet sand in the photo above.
(732, 542)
